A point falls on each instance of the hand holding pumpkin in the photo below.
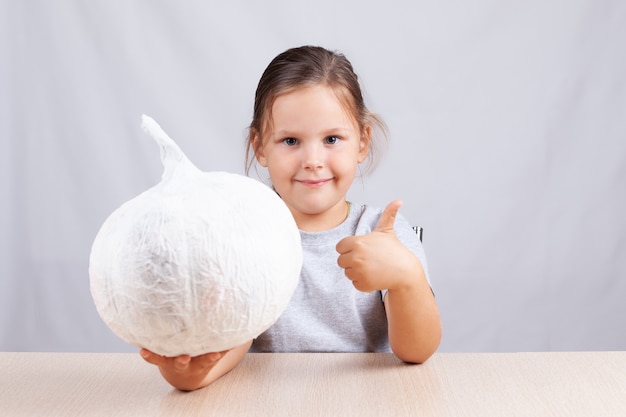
(377, 260)
(192, 370)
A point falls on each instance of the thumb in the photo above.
(388, 217)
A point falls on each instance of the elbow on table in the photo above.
(414, 357)
(417, 353)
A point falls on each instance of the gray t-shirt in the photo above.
(326, 312)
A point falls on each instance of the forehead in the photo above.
(315, 103)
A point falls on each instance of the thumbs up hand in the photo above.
(377, 260)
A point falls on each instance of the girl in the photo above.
(363, 286)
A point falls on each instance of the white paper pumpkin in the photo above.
(201, 262)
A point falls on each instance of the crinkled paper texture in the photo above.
(196, 264)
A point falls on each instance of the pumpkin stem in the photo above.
(172, 156)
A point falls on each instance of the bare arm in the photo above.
(188, 374)
(378, 261)
(413, 317)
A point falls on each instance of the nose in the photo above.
(313, 157)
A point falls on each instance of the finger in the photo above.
(209, 358)
(150, 357)
(342, 261)
(345, 245)
(388, 217)
(213, 356)
(182, 362)
(360, 286)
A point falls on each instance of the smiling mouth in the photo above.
(314, 183)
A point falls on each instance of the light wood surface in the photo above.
(321, 384)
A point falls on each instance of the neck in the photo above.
(320, 222)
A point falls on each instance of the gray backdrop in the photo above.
(508, 123)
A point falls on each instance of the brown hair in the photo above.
(307, 65)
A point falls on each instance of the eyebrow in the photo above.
(340, 131)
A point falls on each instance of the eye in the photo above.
(290, 141)
(331, 140)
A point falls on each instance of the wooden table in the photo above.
(321, 384)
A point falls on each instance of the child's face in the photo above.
(312, 152)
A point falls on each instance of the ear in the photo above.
(257, 145)
(364, 144)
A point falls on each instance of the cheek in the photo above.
(346, 161)
(345, 168)
(280, 168)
